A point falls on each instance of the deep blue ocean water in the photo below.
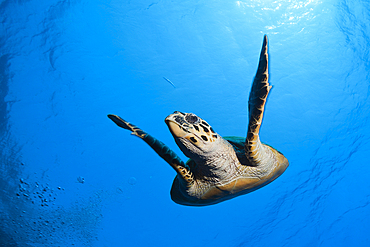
(71, 177)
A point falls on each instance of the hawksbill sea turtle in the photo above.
(218, 168)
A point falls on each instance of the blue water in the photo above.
(71, 177)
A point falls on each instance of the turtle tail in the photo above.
(160, 148)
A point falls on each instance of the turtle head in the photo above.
(194, 136)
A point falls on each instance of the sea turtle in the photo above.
(219, 168)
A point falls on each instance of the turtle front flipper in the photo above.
(256, 105)
(160, 148)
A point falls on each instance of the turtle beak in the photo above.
(174, 126)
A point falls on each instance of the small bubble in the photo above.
(119, 190)
(132, 180)
(81, 180)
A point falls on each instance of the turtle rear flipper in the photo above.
(256, 106)
(160, 148)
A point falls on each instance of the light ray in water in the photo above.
(169, 82)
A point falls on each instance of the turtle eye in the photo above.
(192, 119)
